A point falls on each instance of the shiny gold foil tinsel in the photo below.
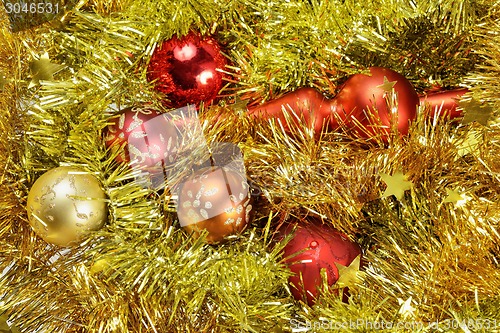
(431, 253)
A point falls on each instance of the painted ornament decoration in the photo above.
(321, 247)
(188, 70)
(65, 204)
(215, 199)
(362, 105)
(142, 135)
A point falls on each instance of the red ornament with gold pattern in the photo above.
(142, 135)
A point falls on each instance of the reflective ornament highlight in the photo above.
(187, 69)
(65, 204)
(216, 199)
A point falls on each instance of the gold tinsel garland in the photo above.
(432, 253)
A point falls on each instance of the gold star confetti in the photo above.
(349, 275)
(387, 86)
(471, 143)
(459, 199)
(4, 326)
(397, 184)
(239, 105)
(406, 310)
(476, 111)
(43, 70)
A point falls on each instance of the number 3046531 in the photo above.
(32, 8)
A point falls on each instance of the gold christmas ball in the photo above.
(66, 203)
(216, 199)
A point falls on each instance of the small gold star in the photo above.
(239, 105)
(406, 309)
(43, 70)
(397, 184)
(4, 326)
(349, 275)
(476, 111)
(459, 199)
(470, 145)
(387, 86)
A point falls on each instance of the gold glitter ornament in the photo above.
(216, 199)
(66, 203)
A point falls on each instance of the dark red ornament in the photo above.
(187, 69)
(322, 247)
(142, 135)
(444, 103)
(361, 104)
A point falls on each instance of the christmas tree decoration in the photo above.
(65, 204)
(142, 135)
(444, 103)
(457, 198)
(5, 327)
(470, 143)
(367, 104)
(476, 112)
(43, 69)
(421, 202)
(349, 275)
(397, 184)
(188, 69)
(313, 248)
(215, 199)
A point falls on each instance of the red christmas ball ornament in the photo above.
(187, 69)
(362, 104)
(320, 247)
(444, 103)
(361, 94)
(142, 135)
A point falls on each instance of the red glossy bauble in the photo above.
(362, 105)
(444, 103)
(142, 135)
(324, 246)
(187, 69)
(362, 93)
